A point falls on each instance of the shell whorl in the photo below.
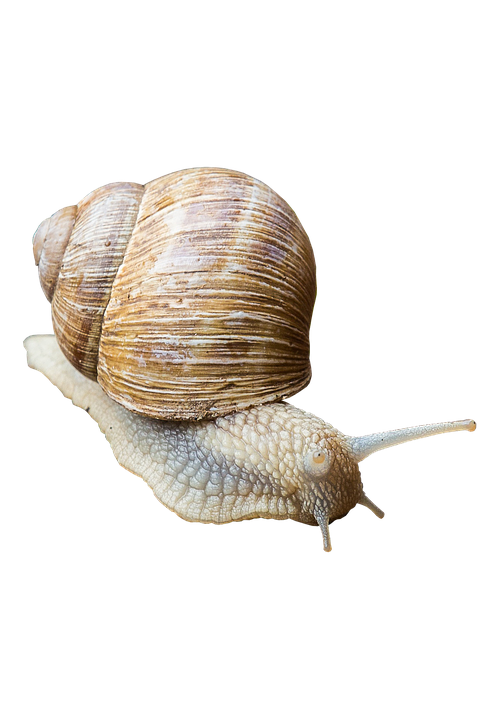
(188, 297)
(49, 245)
(103, 226)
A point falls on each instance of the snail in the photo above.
(181, 311)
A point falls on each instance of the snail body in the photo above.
(189, 301)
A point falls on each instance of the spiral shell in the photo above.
(188, 297)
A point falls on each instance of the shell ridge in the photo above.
(100, 235)
(139, 205)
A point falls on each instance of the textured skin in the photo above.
(246, 465)
(253, 463)
(272, 461)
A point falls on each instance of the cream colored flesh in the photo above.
(249, 464)
(271, 461)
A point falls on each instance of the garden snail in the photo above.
(189, 301)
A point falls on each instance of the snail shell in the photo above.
(190, 297)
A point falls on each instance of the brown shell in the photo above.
(188, 297)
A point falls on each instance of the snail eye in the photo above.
(319, 457)
(316, 462)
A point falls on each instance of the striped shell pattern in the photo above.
(185, 298)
